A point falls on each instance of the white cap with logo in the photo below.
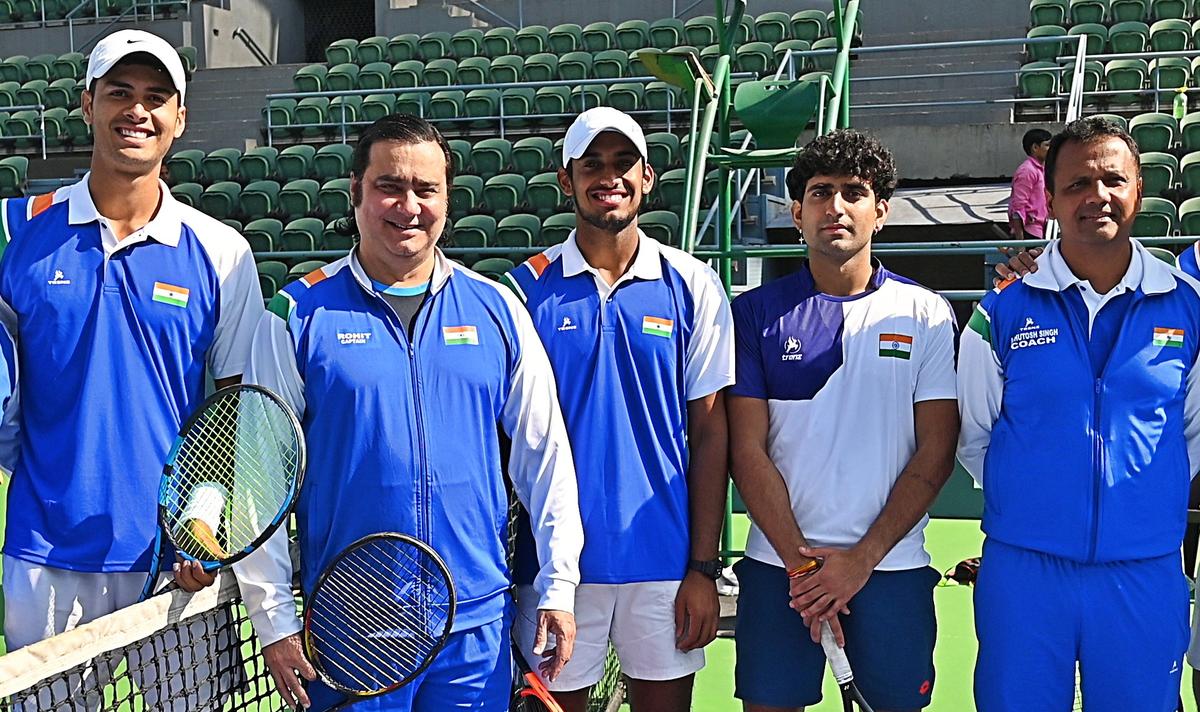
(592, 123)
(121, 44)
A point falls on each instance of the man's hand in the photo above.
(697, 612)
(1020, 263)
(191, 576)
(285, 658)
(823, 595)
(562, 625)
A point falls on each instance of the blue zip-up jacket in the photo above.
(1084, 458)
(402, 435)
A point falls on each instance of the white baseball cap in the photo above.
(121, 44)
(592, 123)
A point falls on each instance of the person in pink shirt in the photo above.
(1027, 211)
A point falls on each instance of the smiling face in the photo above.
(838, 215)
(135, 115)
(1097, 191)
(608, 182)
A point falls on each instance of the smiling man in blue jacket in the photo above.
(1079, 400)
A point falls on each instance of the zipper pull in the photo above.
(1098, 386)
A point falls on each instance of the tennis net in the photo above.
(175, 652)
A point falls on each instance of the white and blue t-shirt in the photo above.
(628, 358)
(114, 339)
(840, 376)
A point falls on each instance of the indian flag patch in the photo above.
(460, 336)
(1168, 337)
(657, 326)
(170, 294)
(895, 346)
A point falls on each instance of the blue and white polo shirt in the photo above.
(114, 341)
(840, 376)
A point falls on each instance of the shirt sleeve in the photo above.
(751, 380)
(541, 466)
(1191, 417)
(265, 576)
(980, 391)
(708, 363)
(240, 306)
(935, 373)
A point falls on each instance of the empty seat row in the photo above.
(1044, 79)
(1063, 12)
(72, 65)
(24, 129)
(1122, 38)
(13, 172)
(260, 163)
(265, 198)
(1160, 217)
(16, 11)
(62, 93)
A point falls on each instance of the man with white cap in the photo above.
(121, 301)
(641, 339)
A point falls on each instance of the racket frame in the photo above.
(451, 606)
(533, 685)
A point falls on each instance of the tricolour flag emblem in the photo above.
(170, 294)
(1168, 337)
(895, 346)
(460, 336)
(657, 326)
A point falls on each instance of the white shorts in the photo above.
(639, 619)
(1193, 651)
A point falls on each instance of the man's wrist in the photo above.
(709, 568)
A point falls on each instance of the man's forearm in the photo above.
(767, 500)
(708, 475)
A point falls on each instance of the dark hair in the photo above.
(1032, 138)
(844, 152)
(1088, 130)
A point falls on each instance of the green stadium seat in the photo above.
(342, 77)
(520, 230)
(258, 163)
(221, 164)
(282, 113)
(23, 11)
(449, 104)
(518, 102)
(77, 128)
(556, 228)
(1038, 80)
(599, 36)
(672, 188)
(1154, 131)
(662, 225)
(403, 47)
(460, 150)
(69, 66)
(1129, 37)
(295, 162)
(745, 30)
(221, 199)
(1097, 36)
(632, 35)
(825, 62)
(1189, 217)
(1088, 11)
(1189, 177)
(54, 123)
(272, 275)
(304, 268)
(1125, 75)
(62, 93)
(663, 148)
(1170, 9)
(8, 93)
(700, 31)
(575, 65)
(1196, 34)
(1047, 12)
(416, 103)
(32, 92)
(188, 194)
(610, 64)
(541, 67)
(1040, 52)
(532, 155)
(491, 156)
(493, 267)
(434, 45)
(374, 75)
(440, 72)
(1189, 132)
(482, 104)
(544, 194)
(636, 67)
(757, 57)
(532, 39)
(189, 57)
(13, 68)
(300, 235)
(467, 43)
(589, 96)
(185, 166)
(667, 33)
(554, 100)
(474, 70)
(13, 172)
(377, 106)
(1093, 72)
(809, 25)
(783, 49)
(1157, 218)
(332, 161)
(310, 77)
(334, 198)
(311, 117)
(499, 41)
(1170, 35)
(1170, 72)
(260, 199)
(626, 97)
(1126, 10)
(41, 67)
(333, 239)
(373, 49)
(503, 193)
(660, 96)
(474, 231)
(507, 69)
(772, 27)
(298, 198)
(709, 55)
(262, 234)
(407, 73)
(465, 194)
(344, 111)
(1160, 172)
(341, 51)
(564, 38)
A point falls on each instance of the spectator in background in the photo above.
(1027, 209)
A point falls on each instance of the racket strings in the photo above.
(234, 469)
(379, 615)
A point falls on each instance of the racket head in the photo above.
(232, 475)
(379, 614)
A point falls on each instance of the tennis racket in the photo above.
(230, 480)
(840, 666)
(531, 695)
(378, 615)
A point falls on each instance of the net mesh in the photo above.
(173, 652)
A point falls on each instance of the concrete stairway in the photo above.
(225, 105)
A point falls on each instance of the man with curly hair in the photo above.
(842, 426)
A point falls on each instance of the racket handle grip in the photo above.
(838, 662)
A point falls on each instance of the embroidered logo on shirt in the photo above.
(460, 336)
(1168, 337)
(170, 294)
(1032, 335)
(567, 325)
(657, 326)
(59, 279)
(346, 338)
(895, 346)
(791, 350)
